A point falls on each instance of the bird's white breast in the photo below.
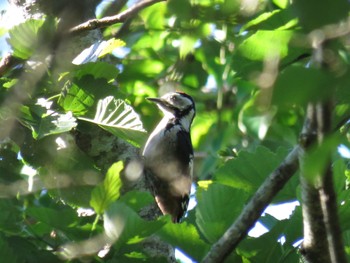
(160, 137)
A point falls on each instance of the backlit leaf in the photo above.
(119, 118)
(24, 38)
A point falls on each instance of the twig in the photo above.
(251, 213)
(110, 20)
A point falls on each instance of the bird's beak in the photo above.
(161, 103)
(155, 100)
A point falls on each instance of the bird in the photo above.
(168, 154)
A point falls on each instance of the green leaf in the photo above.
(29, 251)
(97, 50)
(43, 121)
(339, 179)
(97, 70)
(255, 249)
(55, 123)
(7, 253)
(10, 217)
(110, 45)
(248, 171)
(124, 226)
(266, 44)
(81, 94)
(185, 237)
(255, 120)
(180, 8)
(281, 3)
(119, 118)
(10, 166)
(328, 12)
(141, 69)
(299, 85)
(108, 191)
(60, 219)
(137, 199)
(76, 99)
(187, 45)
(65, 171)
(217, 207)
(245, 172)
(276, 19)
(154, 16)
(24, 38)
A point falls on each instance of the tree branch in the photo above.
(257, 204)
(315, 236)
(327, 194)
(322, 234)
(110, 20)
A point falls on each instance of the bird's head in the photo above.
(177, 105)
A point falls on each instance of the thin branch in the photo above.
(110, 20)
(251, 213)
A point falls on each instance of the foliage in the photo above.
(250, 72)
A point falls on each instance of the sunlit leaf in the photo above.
(97, 50)
(266, 44)
(107, 192)
(110, 45)
(141, 69)
(76, 99)
(54, 124)
(43, 121)
(187, 45)
(24, 38)
(119, 118)
(271, 20)
(83, 92)
(281, 3)
(154, 16)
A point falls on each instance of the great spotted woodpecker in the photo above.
(168, 154)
